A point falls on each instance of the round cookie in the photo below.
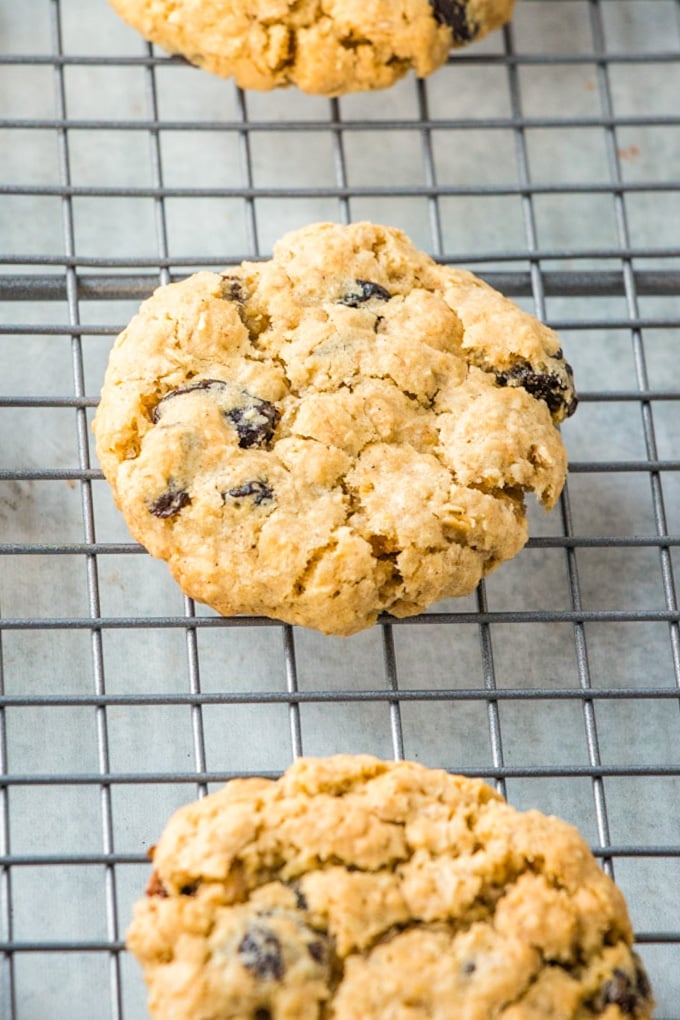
(346, 429)
(328, 48)
(358, 889)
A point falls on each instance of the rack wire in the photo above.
(546, 158)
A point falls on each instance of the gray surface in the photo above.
(70, 905)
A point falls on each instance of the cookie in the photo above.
(344, 430)
(325, 48)
(359, 889)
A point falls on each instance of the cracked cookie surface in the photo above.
(346, 429)
(326, 47)
(357, 889)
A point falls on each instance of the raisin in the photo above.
(255, 420)
(642, 985)
(169, 503)
(573, 401)
(454, 14)
(189, 890)
(367, 290)
(255, 423)
(204, 384)
(262, 1014)
(156, 887)
(624, 991)
(541, 385)
(232, 288)
(260, 953)
(260, 492)
(317, 951)
(300, 898)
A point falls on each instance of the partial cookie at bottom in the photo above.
(356, 889)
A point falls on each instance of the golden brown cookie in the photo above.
(327, 47)
(357, 889)
(344, 430)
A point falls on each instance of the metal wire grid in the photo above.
(56, 976)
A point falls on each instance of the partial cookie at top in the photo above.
(347, 429)
(357, 889)
(327, 48)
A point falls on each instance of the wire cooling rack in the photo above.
(546, 158)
